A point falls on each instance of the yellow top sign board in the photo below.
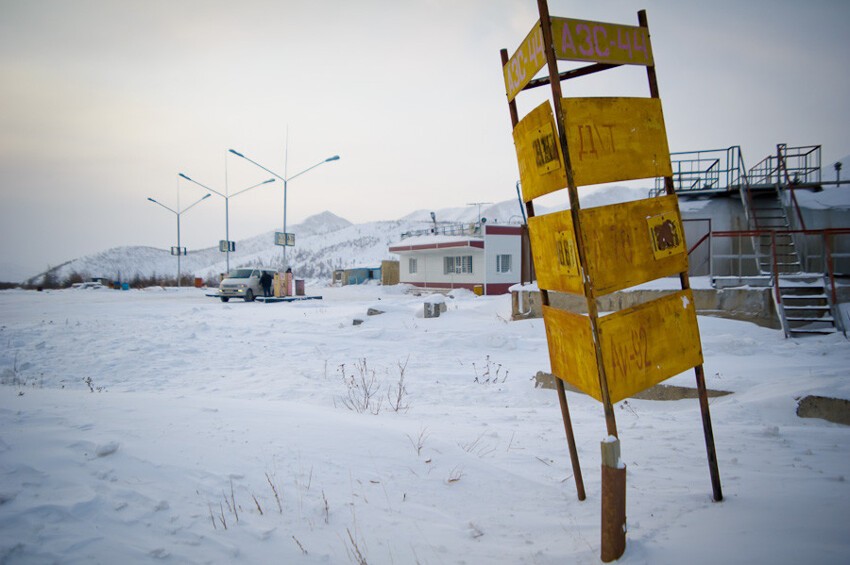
(600, 42)
(616, 139)
(576, 40)
(641, 346)
(529, 58)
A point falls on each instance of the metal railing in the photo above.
(472, 229)
(710, 169)
(802, 165)
(724, 169)
(467, 229)
(822, 252)
(782, 163)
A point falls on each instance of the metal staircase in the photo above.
(774, 222)
(801, 299)
(775, 247)
(804, 305)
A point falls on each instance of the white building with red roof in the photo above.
(485, 256)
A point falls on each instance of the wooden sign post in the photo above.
(576, 142)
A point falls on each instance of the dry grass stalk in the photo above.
(276, 497)
(326, 508)
(233, 500)
(301, 547)
(419, 443)
(354, 550)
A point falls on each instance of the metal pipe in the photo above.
(179, 251)
(685, 283)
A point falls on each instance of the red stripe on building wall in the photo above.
(503, 230)
(489, 289)
(446, 245)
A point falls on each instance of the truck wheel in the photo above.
(225, 298)
(249, 295)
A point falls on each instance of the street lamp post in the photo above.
(178, 213)
(285, 182)
(227, 198)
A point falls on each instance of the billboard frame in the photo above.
(545, 26)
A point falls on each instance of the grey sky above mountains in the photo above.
(103, 103)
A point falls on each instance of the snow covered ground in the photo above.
(165, 426)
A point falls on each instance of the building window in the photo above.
(461, 265)
(412, 266)
(503, 263)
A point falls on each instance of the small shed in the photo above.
(389, 272)
(356, 275)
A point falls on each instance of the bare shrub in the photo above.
(73, 279)
(361, 389)
(419, 442)
(397, 393)
(92, 387)
(491, 372)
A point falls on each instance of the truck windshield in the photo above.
(239, 274)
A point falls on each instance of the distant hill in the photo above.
(324, 242)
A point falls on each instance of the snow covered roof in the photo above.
(436, 242)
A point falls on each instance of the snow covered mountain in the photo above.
(324, 242)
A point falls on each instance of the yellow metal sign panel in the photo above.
(580, 40)
(647, 344)
(541, 165)
(631, 243)
(555, 254)
(571, 350)
(615, 139)
(641, 346)
(529, 58)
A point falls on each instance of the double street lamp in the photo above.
(227, 198)
(285, 182)
(178, 213)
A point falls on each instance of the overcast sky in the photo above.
(104, 102)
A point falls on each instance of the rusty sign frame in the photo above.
(664, 243)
